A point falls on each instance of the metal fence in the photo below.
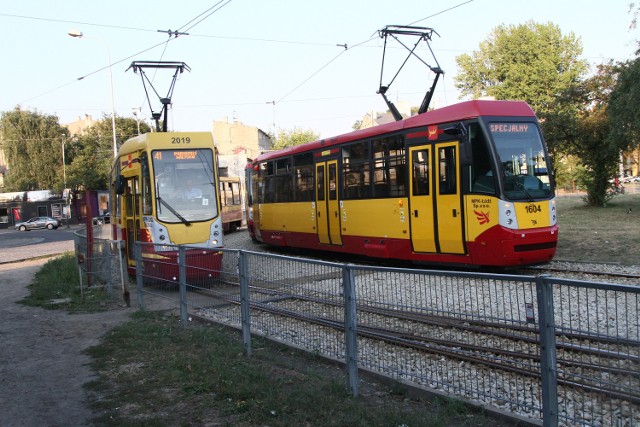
(562, 351)
(101, 265)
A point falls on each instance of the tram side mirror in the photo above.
(120, 184)
(455, 130)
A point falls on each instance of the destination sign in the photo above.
(509, 127)
(175, 155)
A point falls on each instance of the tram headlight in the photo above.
(162, 237)
(510, 221)
(508, 213)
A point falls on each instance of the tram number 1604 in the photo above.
(533, 208)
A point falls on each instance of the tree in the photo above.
(294, 137)
(624, 104)
(32, 144)
(595, 143)
(92, 152)
(531, 62)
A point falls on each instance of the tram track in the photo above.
(511, 349)
(536, 270)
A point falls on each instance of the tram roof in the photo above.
(147, 140)
(453, 113)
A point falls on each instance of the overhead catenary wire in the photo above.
(188, 26)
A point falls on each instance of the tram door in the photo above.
(435, 203)
(327, 204)
(131, 219)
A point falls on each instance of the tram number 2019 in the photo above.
(533, 208)
(183, 140)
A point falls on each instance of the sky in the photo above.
(273, 64)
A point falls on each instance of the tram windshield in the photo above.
(521, 158)
(184, 185)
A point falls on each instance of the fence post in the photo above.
(122, 266)
(182, 283)
(108, 252)
(77, 248)
(245, 313)
(139, 272)
(548, 366)
(350, 328)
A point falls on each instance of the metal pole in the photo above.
(245, 312)
(113, 106)
(350, 328)
(548, 365)
(79, 34)
(64, 179)
(139, 268)
(182, 283)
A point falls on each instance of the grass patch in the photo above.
(152, 371)
(57, 286)
(599, 234)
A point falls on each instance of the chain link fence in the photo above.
(556, 351)
(102, 266)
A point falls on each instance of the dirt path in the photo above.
(42, 365)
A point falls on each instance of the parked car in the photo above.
(38, 222)
(102, 219)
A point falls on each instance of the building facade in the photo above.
(233, 138)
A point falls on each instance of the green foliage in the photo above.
(32, 144)
(567, 172)
(624, 104)
(531, 62)
(294, 137)
(92, 152)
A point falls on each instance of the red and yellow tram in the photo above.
(465, 184)
(166, 192)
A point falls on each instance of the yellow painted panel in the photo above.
(482, 214)
(532, 215)
(293, 217)
(197, 232)
(381, 218)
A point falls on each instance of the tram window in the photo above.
(303, 177)
(447, 170)
(131, 195)
(356, 171)
(235, 188)
(420, 176)
(320, 183)
(333, 174)
(482, 178)
(283, 188)
(283, 166)
(388, 167)
(147, 204)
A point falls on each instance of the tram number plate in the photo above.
(180, 140)
(533, 208)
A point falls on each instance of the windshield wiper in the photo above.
(173, 211)
(525, 191)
